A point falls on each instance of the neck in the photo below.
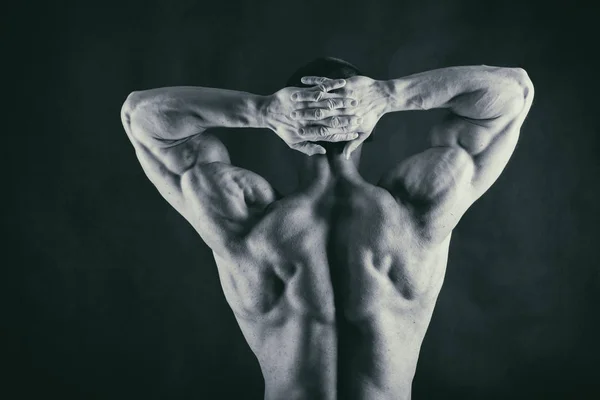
(327, 167)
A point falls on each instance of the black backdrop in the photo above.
(109, 294)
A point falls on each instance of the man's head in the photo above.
(329, 67)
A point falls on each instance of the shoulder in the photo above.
(436, 186)
(437, 172)
(227, 181)
(431, 176)
(223, 202)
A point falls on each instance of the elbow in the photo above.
(524, 85)
(133, 113)
(521, 93)
(128, 108)
(526, 89)
(144, 115)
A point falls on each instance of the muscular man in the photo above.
(334, 285)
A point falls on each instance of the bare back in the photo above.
(349, 236)
(346, 253)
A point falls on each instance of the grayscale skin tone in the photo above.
(334, 285)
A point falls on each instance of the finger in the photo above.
(324, 84)
(307, 148)
(313, 114)
(338, 121)
(317, 132)
(314, 132)
(353, 145)
(333, 103)
(325, 117)
(308, 95)
(340, 137)
(312, 95)
(313, 80)
(331, 84)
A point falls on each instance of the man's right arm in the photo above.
(487, 105)
(471, 147)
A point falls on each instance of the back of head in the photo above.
(329, 67)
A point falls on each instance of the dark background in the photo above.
(110, 294)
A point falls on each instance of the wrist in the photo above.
(386, 88)
(397, 95)
(261, 111)
(251, 111)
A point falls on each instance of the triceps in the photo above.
(180, 156)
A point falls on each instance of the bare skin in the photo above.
(333, 286)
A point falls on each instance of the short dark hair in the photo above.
(329, 67)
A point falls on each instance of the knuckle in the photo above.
(335, 122)
(331, 104)
(323, 130)
(322, 87)
(318, 113)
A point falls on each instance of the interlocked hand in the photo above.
(300, 116)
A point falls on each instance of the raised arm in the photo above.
(191, 168)
(167, 127)
(470, 148)
(488, 106)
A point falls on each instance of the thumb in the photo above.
(308, 148)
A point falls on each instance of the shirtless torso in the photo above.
(342, 257)
(334, 285)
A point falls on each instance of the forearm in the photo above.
(475, 92)
(175, 113)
